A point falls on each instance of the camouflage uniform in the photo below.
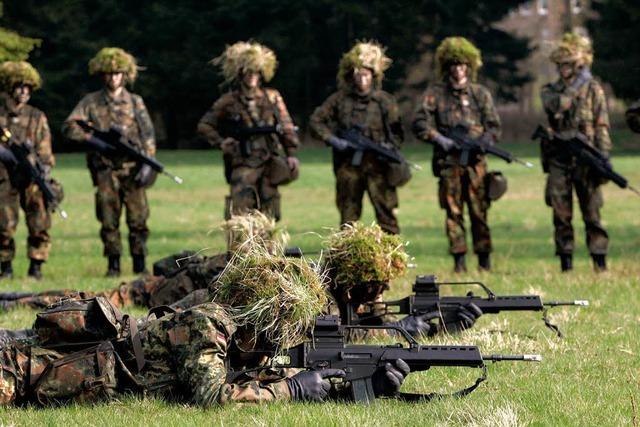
(249, 176)
(113, 176)
(186, 356)
(442, 107)
(378, 116)
(27, 123)
(584, 111)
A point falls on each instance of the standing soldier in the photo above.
(361, 104)
(255, 161)
(575, 104)
(117, 179)
(456, 100)
(28, 125)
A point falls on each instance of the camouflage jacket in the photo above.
(126, 111)
(265, 108)
(584, 110)
(27, 123)
(377, 114)
(443, 107)
(189, 352)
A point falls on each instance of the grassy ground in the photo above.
(590, 378)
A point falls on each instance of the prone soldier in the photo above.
(253, 128)
(574, 104)
(361, 103)
(457, 100)
(119, 181)
(28, 125)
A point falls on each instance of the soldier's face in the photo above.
(566, 70)
(21, 94)
(251, 80)
(363, 79)
(113, 81)
(458, 72)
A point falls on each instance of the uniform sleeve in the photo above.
(490, 117)
(208, 124)
(203, 370)
(145, 125)
(43, 141)
(69, 128)
(602, 140)
(289, 138)
(323, 120)
(394, 121)
(424, 122)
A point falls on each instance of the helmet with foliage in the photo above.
(457, 50)
(243, 57)
(573, 48)
(13, 73)
(114, 60)
(254, 225)
(369, 55)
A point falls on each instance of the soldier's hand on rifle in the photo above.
(466, 317)
(418, 324)
(294, 164)
(228, 145)
(145, 176)
(387, 380)
(312, 386)
(338, 143)
(447, 144)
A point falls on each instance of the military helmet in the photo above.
(13, 73)
(369, 55)
(457, 50)
(114, 60)
(242, 57)
(573, 48)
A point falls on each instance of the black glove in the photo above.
(418, 324)
(466, 317)
(312, 386)
(145, 176)
(388, 379)
(447, 144)
(338, 143)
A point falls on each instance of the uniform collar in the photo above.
(123, 97)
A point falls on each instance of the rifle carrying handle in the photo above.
(362, 391)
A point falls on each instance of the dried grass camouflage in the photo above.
(573, 47)
(254, 224)
(363, 55)
(457, 50)
(277, 297)
(243, 57)
(114, 60)
(13, 73)
(360, 254)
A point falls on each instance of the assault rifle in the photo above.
(327, 348)
(114, 142)
(427, 298)
(234, 128)
(359, 144)
(23, 157)
(585, 154)
(469, 146)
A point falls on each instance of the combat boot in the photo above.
(35, 271)
(6, 270)
(599, 262)
(459, 263)
(484, 261)
(113, 267)
(566, 262)
(139, 266)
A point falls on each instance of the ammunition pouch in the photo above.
(398, 174)
(496, 185)
(58, 190)
(279, 172)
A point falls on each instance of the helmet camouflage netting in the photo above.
(457, 50)
(369, 55)
(114, 60)
(573, 48)
(13, 73)
(243, 57)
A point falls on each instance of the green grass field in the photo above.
(592, 377)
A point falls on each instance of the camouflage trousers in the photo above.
(38, 221)
(251, 189)
(116, 189)
(561, 181)
(351, 184)
(459, 186)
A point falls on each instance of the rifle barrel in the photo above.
(635, 190)
(506, 357)
(581, 302)
(176, 178)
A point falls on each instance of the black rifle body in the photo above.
(469, 146)
(360, 144)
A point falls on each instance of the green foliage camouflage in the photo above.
(114, 60)
(458, 50)
(363, 55)
(13, 73)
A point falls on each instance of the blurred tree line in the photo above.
(174, 40)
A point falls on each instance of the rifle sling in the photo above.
(419, 397)
(548, 323)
